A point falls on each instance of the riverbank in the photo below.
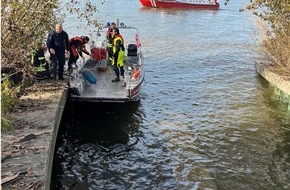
(277, 77)
(27, 148)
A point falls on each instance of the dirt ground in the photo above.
(25, 147)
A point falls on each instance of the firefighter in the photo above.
(40, 64)
(118, 54)
(77, 48)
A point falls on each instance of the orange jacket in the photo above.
(77, 46)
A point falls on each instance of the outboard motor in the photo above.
(132, 50)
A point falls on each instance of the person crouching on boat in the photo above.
(77, 46)
(118, 54)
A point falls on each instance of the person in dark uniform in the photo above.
(58, 46)
(77, 46)
(41, 66)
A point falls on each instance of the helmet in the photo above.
(86, 39)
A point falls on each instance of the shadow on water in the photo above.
(271, 93)
(282, 149)
(89, 132)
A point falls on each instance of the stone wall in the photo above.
(27, 148)
(277, 77)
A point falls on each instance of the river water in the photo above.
(206, 119)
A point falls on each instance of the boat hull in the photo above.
(176, 4)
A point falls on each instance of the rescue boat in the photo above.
(91, 80)
(188, 4)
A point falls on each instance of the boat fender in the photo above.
(136, 74)
(89, 76)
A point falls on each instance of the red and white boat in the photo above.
(189, 4)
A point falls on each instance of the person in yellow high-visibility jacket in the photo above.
(118, 54)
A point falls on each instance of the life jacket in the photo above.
(38, 61)
(72, 40)
(136, 74)
(120, 61)
(109, 31)
(74, 49)
(138, 44)
(117, 37)
(109, 38)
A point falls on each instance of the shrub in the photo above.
(8, 102)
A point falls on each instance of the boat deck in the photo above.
(104, 90)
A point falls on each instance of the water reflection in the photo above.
(267, 91)
(173, 11)
(89, 135)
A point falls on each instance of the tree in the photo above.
(276, 13)
(23, 25)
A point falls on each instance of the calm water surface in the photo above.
(206, 119)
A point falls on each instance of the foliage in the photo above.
(24, 24)
(5, 124)
(277, 42)
(85, 12)
(8, 102)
